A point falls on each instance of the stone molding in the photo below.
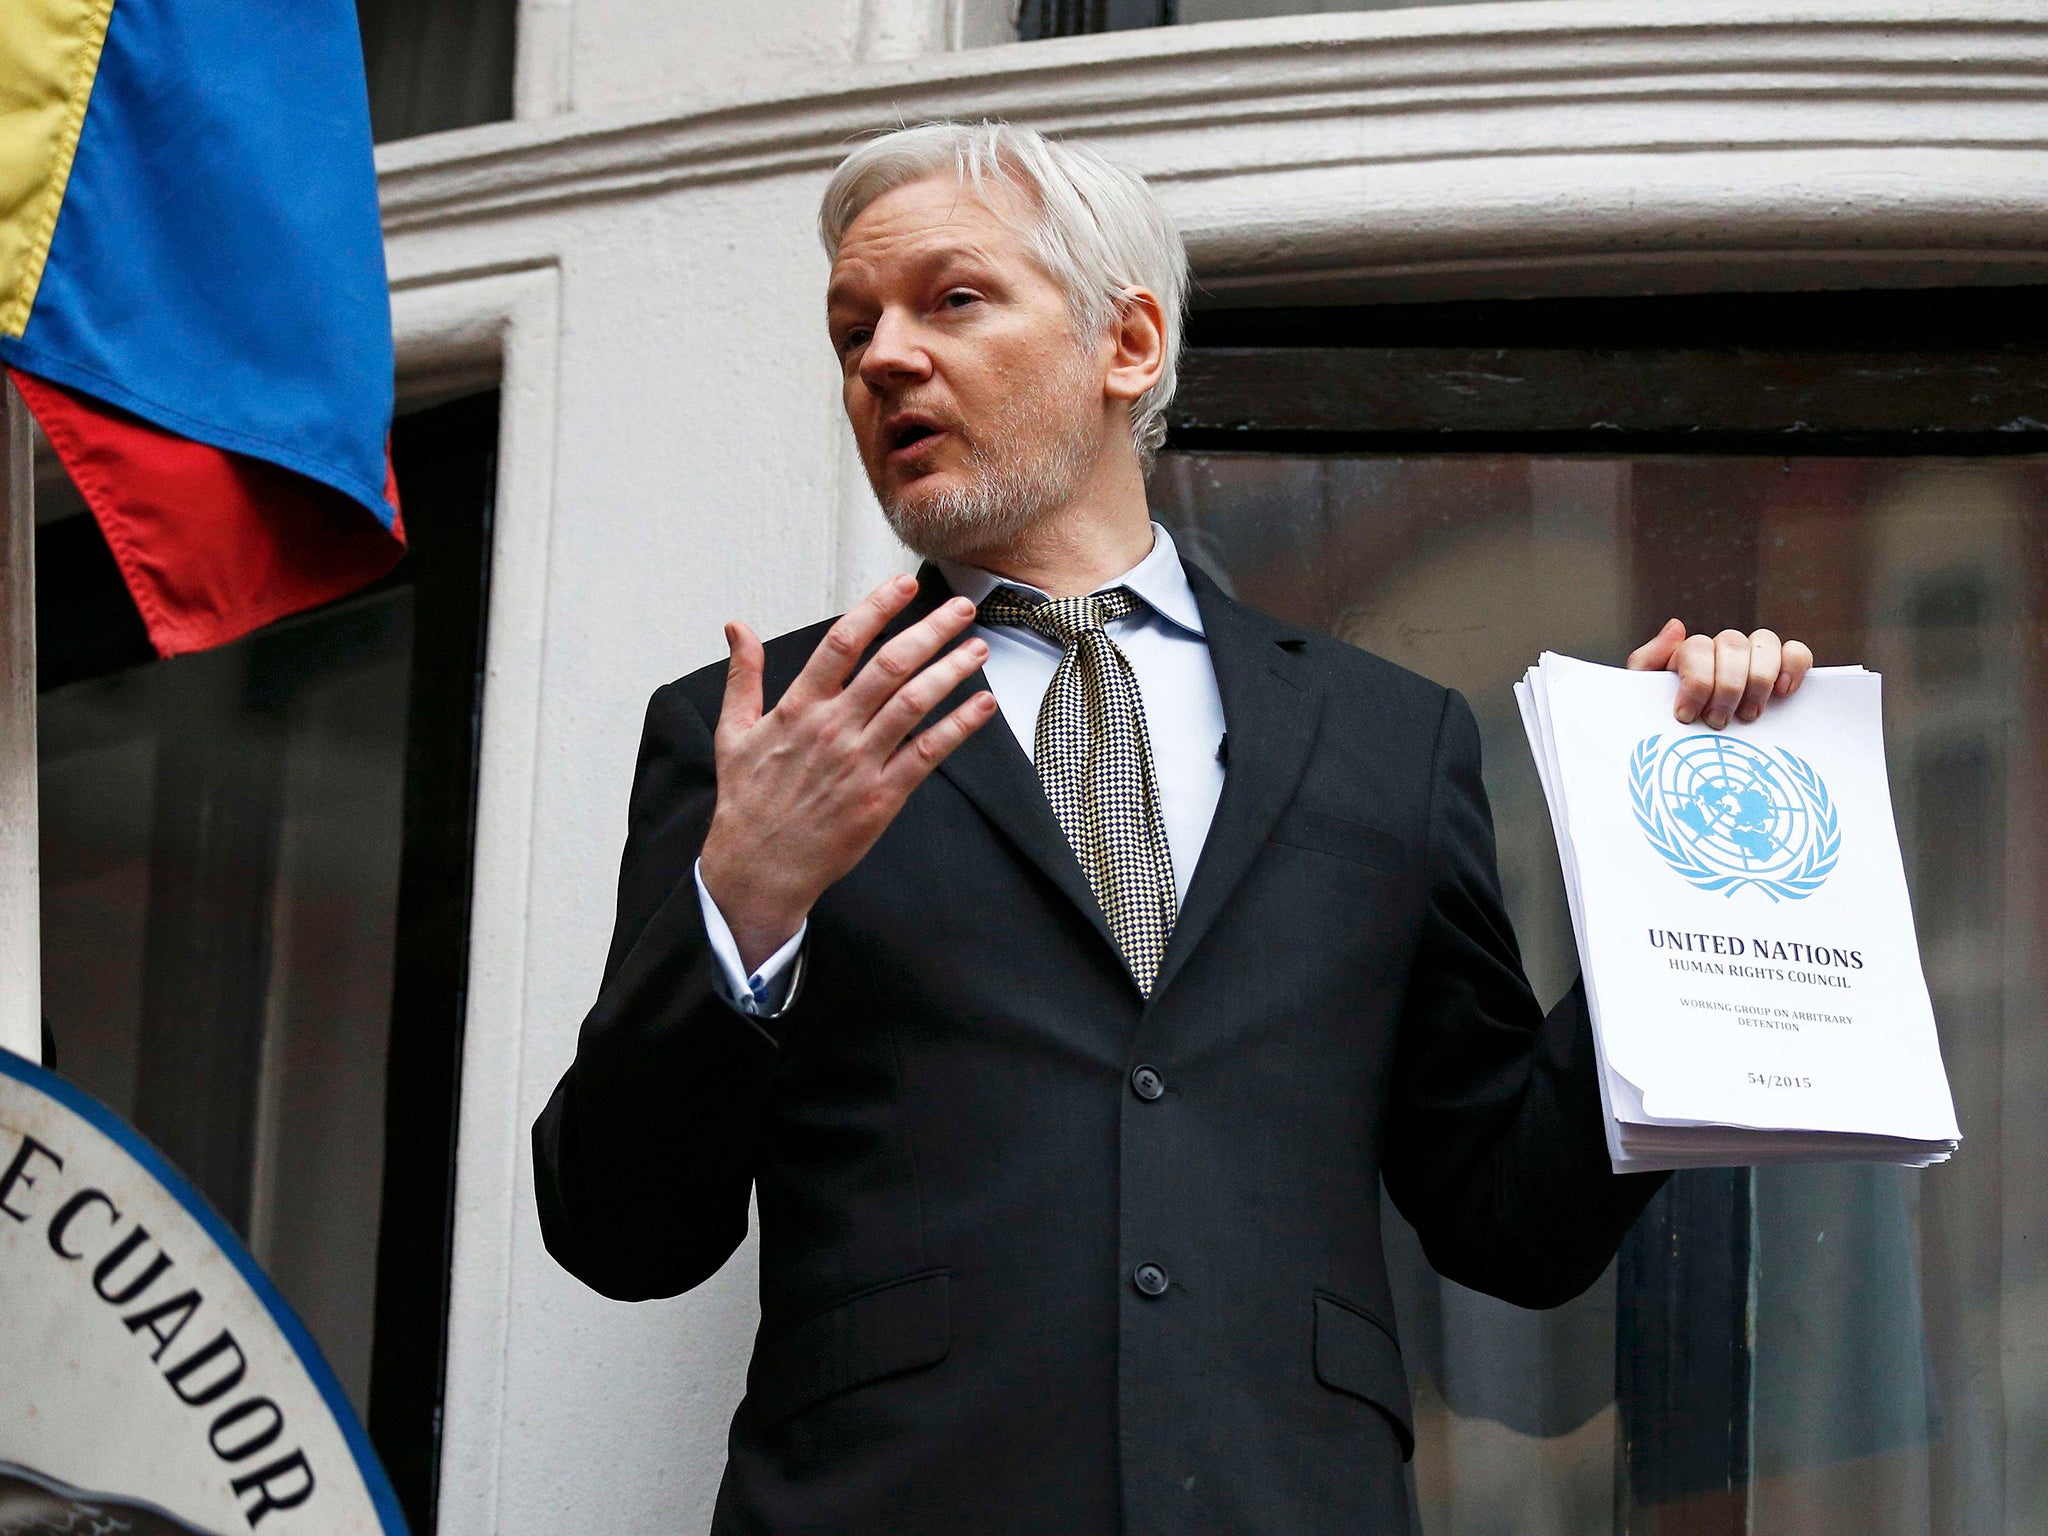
(1475, 144)
(460, 330)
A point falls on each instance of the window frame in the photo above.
(1931, 373)
(446, 456)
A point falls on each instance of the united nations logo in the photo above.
(1724, 815)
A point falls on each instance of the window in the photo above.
(255, 886)
(1795, 1351)
(1068, 18)
(435, 64)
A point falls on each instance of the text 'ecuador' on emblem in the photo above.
(1725, 814)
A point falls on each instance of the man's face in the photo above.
(977, 410)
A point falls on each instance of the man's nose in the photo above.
(894, 352)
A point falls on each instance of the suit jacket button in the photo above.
(1150, 1280)
(1147, 1084)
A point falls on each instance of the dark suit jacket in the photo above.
(959, 1178)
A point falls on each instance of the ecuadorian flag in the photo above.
(193, 300)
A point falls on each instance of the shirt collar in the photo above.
(1159, 579)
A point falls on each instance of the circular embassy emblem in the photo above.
(1725, 814)
(152, 1379)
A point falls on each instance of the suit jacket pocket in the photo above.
(1302, 826)
(882, 1331)
(1356, 1354)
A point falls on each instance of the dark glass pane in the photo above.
(1858, 1349)
(220, 857)
(1070, 18)
(435, 64)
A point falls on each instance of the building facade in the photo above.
(1518, 325)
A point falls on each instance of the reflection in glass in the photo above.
(1896, 1357)
(220, 854)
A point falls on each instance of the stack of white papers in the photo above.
(1742, 921)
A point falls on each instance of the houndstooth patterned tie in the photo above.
(1094, 758)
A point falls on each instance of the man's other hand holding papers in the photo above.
(1724, 677)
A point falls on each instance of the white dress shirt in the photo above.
(1169, 655)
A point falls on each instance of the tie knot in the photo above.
(1065, 619)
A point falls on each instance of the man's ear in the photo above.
(1136, 339)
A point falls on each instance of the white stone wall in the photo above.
(584, 55)
(634, 261)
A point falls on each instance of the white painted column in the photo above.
(21, 960)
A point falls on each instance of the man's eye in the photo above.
(959, 298)
(854, 338)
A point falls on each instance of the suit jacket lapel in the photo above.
(991, 769)
(1269, 717)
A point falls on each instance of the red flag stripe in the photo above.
(211, 544)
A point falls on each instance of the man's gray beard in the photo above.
(1003, 499)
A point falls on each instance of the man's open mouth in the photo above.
(908, 435)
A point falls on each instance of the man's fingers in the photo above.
(1693, 660)
(896, 663)
(916, 758)
(1793, 669)
(832, 663)
(900, 715)
(1731, 676)
(1765, 652)
(742, 705)
(1655, 653)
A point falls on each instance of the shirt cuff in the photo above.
(771, 989)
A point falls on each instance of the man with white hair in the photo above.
(1065, 1055)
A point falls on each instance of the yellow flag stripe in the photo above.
(49, 56)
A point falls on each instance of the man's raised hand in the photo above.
(805, 789)
(1729, 676)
